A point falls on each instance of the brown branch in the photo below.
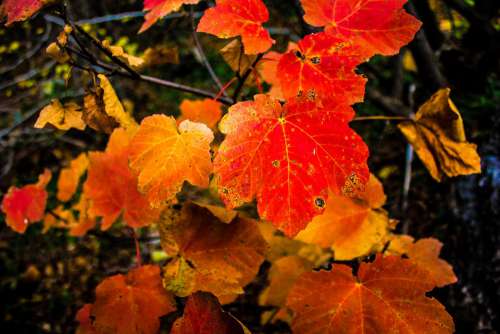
(245, 76)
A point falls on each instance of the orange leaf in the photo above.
(230, 18)
(86, 325)
(205, 111)
(164, 157)
(160, 8)
(113, 188)
(387, 296)
(282, 276)
(70, 177)
(268, 69)
(20, 10)
(204, 315)
(27, 204)
(425, 254)
(377, 26)
(208, 254)
(352, 227)
(322, 66)
(131, 304)
(288, 157)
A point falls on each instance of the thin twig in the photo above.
(203, 56)
(381, 118)
(245, 76)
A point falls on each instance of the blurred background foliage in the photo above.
(46, 277)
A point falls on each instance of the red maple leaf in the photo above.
(376, 26)
(159, 8)
(230, 18)
(322, 66)
(288, 157)
(20, 10)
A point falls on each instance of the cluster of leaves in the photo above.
(291, 150)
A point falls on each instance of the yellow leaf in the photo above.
(235, 57)
(164, 156)
(438, 137)
(62, 117)
(118, 52)
(55, 52)
(114, 107)
(352, 227)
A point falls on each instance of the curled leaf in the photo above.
(117, 51)
(62, 117)
(438, 137)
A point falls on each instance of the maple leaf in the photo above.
(27, 204)
(322, 66)
(386, 296)
(438, 137)
(164, 156)
(70, 176)
(20, 10)
(62, 117)
(204, 315)
(209, 255)
(112, 186)
(160, 8)
(376, 26)
(207, 111)
(352, 227)
(243, 18)
(113, 107)
(268, 69)
(425, 254)
(288, 157)
(131, 304)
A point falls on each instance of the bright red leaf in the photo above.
(159, 8)
(377, 26)
(288, 157)
(204, 315)
(230, 18)
(387, 296)
(27, 204)
(20, 10)
(322, 66)
(113, 188)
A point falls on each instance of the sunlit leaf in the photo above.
(243, 18)
(164, 156)
(438, 137)
(288, 157)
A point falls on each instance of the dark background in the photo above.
(46, 277)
